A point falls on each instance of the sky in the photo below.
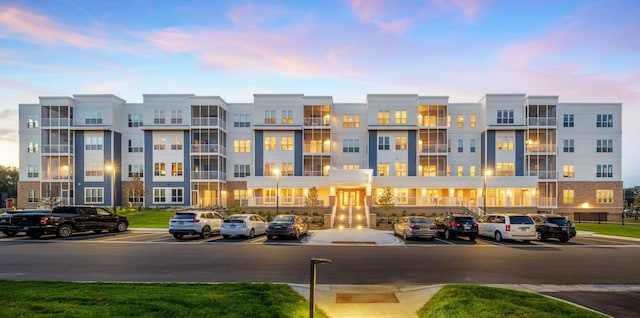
(581, 51)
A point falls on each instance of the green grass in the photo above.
(628, 230)
(65, 299)
(480, 301)
(148, 218)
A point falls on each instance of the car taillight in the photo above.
(433, 227)
(475, 224)
(195, 219)
(507, 227)
(43, 220)
(455, 224)
(414, 227)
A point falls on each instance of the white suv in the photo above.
(508, 227)
(195, 223)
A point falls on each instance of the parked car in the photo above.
(243, 224)
(415, 227)
(201, 223)
(452, 225)
(553, 226)
(6, 226)
(507, 227)
(287, 225)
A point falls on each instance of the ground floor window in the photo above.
(93, 195)
(31, 196)
(163, 195)
(604, 196)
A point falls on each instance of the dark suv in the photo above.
(452, 225)
(553, 226)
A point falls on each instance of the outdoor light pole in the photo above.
(312, 284)
(112, 167)
(277, 173)
(484, 190)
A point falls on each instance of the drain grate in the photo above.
(365, 298)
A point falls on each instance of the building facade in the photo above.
(286, 152)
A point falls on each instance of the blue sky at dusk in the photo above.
(582, 51)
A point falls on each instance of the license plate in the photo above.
(523, 228)
(25, 228)
(180, 222)
(232, 226)
(467, 226)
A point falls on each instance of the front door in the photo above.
(351, 197)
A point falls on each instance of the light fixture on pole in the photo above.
(486, 173)
(112, 168)
(276, 172)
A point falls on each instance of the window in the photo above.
(604, 120)
(176, 143)
(604, 171)
(460, 145)
(287, 117)
(383, 169)
(134, 120)
(33, 121)
(604, 196)
(240, 194)
(472, 145)
(568, 171)
(472, 171)
(383, 143)
(135, 196)
(136, 145)
(241, 171)
(504, 142)
(159, 143)
(32, 171)
(505, 116)
(242, 145)
(401, 143)
(159, 169)
(460, 121)
(32, 147)
(351, 167)
(351, 145)
(401, 117)
(31, 196)
(460, 171)
(472, 121)
(270, 143)
(93, 117)
(93, 195)
(287, 169)
(93, 143)
(176, 169)
(568, 145)
(176, 116)
(241, 120)
(568, 196)
(567, 120)
(286, 143)
(401, 169)
(351, 121)
(604, 145)
(136, 171)
(159, 195)
(269, 117)
(177, 195)
(383, 117)
(269, 169)
(93, 170)
(403, 196)
(505, 169)
(158, 116)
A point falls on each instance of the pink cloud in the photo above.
(377, 12)
(468, 8)
(40, 29)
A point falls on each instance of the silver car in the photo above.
(415, 227)
(248, 225)
(201, 223)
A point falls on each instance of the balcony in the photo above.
(208, 148)
(434, 148)
(542, 148)
(317, 121)
(55, 122)
(542, 121)
(208, 175)
(208, 122)
(544, 175)
(60, 148)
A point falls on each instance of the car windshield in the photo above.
(237, 217)
(183, 216)
(517, 219)
(464, 220)
(558, 221)
(419, 220)
(283, 219)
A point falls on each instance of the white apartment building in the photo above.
(506, 152)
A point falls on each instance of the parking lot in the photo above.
(160, 237)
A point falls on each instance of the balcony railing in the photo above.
(547, 175)
(55, 122)
(208, 122)
(542, 148)
(429, 122)
(208, 148)
(317, 121)
(208, 175)
(434, 148)
(67, 149)
(542, 121)
(317, 148)
(315, 173)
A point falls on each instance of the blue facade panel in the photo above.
(186, 169)
(148, 166)
(411, 139)
(373, 151)
(491, 150)
(78, 150)
(259, 153)
(298, 163)
(519, 147)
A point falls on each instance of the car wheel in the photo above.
(564, 239)
(404, 235)
(252, 233)
(498, 236)
(269, 237)
(178, 236)
(473, 238)
(447, 235)
(122, 226)
(34, 235)
(10, 233)
(97, 231)
(64, 231)
(206, 232)
(226, 236)
(539, 236)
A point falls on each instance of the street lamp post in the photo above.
(486, 173)
(112, 168)
(276, 172)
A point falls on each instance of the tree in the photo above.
(134, 188)
(51, 200)
(311, 201)
(386, 201)
(9, 180)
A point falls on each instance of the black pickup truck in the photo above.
(63, 221)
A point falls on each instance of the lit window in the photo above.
(287, 117)
(568, 171)
(383, 169)
(159, 169)
(604, 196)
(460, 121)
(472, 121)
(176, 169)
(286, 143)
(383, 117)
(270, 117)
(270, 143)
(401, 143)
(242, 145)
(401, 169)
(351, 121)
(568, 196)
(401, 117)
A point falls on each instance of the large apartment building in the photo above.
(505, 152)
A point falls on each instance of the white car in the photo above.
(201, 223)
(248, 225)
(507, 227)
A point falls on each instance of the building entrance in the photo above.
(351, 211)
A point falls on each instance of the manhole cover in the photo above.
(365, 298)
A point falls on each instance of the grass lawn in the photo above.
(480, 301)
(148, 218)
(65, 299)
(629, 230)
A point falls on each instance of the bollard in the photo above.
(312, 284)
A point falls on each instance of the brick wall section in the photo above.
(231, 186)
(586, 192)
(23, 189)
